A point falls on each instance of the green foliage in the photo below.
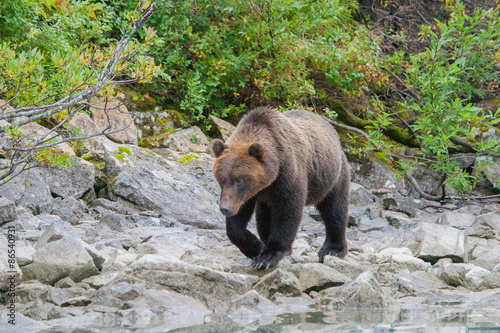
(461, 61)
(194, 137)
(51, 48)
(223, 53)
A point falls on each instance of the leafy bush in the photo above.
(460, 63)
(50, 48)
(221, 53)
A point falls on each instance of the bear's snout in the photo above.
(225, 210)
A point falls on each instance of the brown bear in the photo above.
(277, 163)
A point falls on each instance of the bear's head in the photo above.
(242, 170)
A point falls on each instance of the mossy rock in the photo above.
(142, 101)
(155, 141)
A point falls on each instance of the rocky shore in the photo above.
(131, 239)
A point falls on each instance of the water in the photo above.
(438, 319)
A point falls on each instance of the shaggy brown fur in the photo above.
(274, 164)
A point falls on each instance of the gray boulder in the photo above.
(215, 289)
(469, 276)
(225, 128)
(60, 254)
(191, 139)
(316, 277)
(460, 220)
(364, 292)
(113, 115)
(430, 242)
(152, 182)
(161, 191)
(28, 190)
(359, 196)
(73, 182)
(7, 210)
(399, 259)
(489, 259)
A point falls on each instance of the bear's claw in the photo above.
(266, 260)
(333, 249)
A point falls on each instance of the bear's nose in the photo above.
(225, 209)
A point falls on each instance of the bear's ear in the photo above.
(218, 147)
(256, 150)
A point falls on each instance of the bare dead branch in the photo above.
(21, 154)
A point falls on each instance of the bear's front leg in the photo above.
(236, 229)
(285, 220)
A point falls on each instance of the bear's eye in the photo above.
(238, 182)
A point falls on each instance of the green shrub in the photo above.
(460, 63)
(222, 53)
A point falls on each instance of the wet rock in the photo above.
(455, 274)
(253, 307)
(418, 283)
(191, 139)
(278, 281)
(359, 196)
(213, 288)
(60, 254)
(73, 182)
(112, 115)
(10, 273)
(489, 281)
(225, 128)
(431, 242)
(316, 277)
(456, 219)
(363, 292)
(166, 309)
(7, 210)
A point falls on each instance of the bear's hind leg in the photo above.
(334, 210)
(236, 229)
